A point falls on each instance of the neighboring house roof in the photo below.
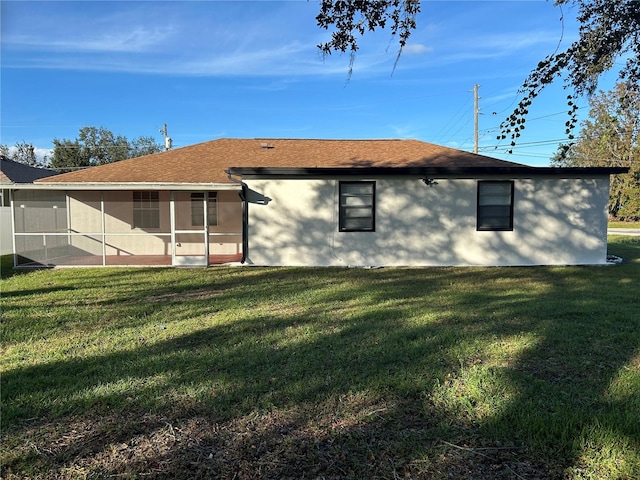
(15, 172)
(209, 162)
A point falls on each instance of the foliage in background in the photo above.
(611, 138)
(98, 146)
(93, 146)
(22, 152)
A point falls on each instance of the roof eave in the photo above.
(44, 185)
(451, 172)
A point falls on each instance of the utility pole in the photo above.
(167, 139)
(476, 112)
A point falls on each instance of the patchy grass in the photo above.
(624, 224)
(323, 373)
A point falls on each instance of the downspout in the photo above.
(245, 215)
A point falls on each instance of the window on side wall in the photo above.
(357, 207)
(197, 209)
(146, 210)
(495, 205)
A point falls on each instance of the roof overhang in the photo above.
(432, 172)
(104, 186)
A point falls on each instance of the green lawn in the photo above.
(239, 373)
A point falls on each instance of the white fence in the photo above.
(6, 243)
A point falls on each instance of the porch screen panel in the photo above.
(189, 210)
(39, 211)
(190, 246)
(197, 209)
(225, 236)
(55, 250)
(41, 231)
(126, 211)
(127, 241)
(85, 222)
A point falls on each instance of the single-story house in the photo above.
(13, 174)
(314, 202)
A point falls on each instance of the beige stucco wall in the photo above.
(556, 221)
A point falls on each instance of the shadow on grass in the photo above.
(341, 374)
(628, 248)
(566, 405)
(6, 266)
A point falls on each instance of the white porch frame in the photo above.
(176, 260)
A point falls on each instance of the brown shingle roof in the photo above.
(207, 162)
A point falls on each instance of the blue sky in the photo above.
(245, 69)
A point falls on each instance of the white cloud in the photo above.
(249, 61)
(227, 39)
(509, 42)
(404, 131)
(137, 39)
(188, 39)
(42, 154)
(416, 49)
(289, 59)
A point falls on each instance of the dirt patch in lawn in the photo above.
(375, 440)
(188, 295)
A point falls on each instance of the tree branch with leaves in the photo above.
(609, 31)
(350, 19)
(611, 138)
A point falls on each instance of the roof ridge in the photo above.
(207, 161)
(331, 139)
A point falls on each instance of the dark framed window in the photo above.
(197, 209)
(146, 210)
(357, 205)
(495, 205)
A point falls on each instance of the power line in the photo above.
(531, 144)
(454, 120)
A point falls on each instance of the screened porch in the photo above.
(126, 227)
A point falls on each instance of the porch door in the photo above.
(190, 229)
